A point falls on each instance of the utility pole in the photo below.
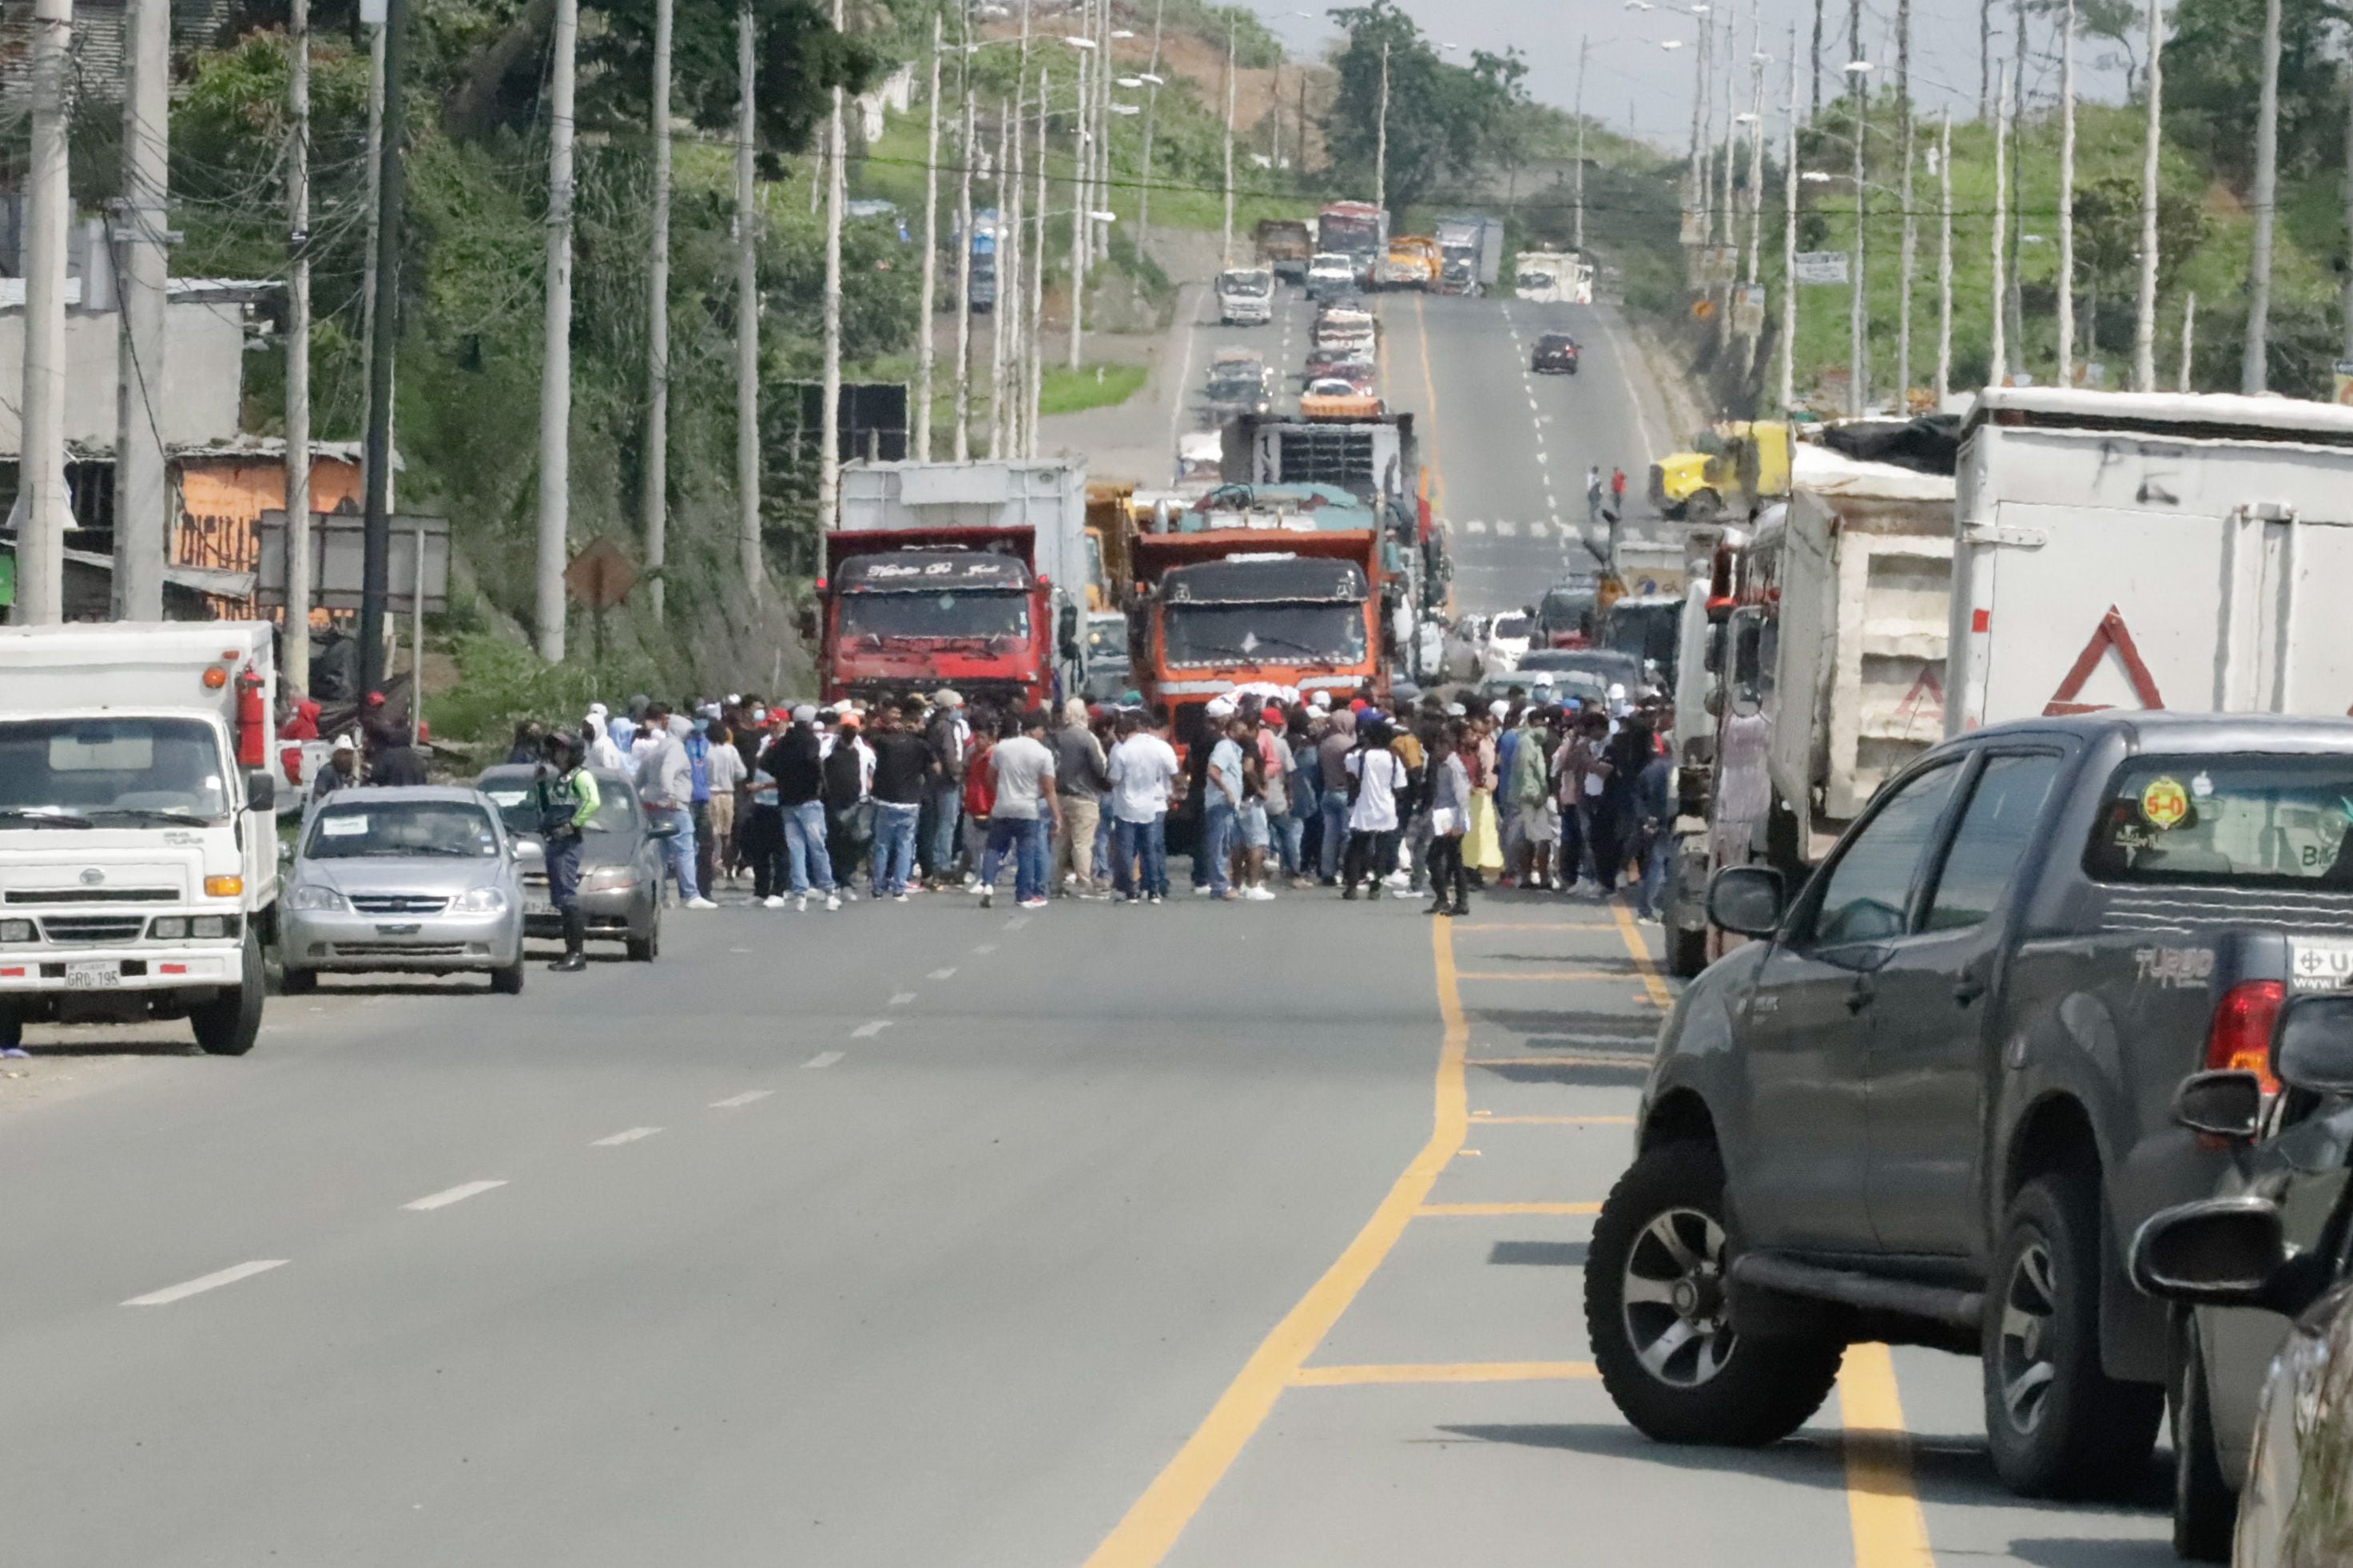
(828, 472)
(375, 555)
(1858, 325)
(1703, 119)
(1151, 102)
(1381, 132)
(1583, 48)
(374, 200)
(962, 445)
(1911, 240)
(297, 638)
(41, 467)
(1945, 263)
(1999, 356)
(748, 563)
(1729, 233)
(1036, 390)
(2152, 141)
(1817, 113)
(2188, 340)
(2348, 324)
(1985, 57)
(1079, 220)
(142, 488)
(924, 354)
(1011, 391)
(1755, 188)
(2014, 301)
(555, 354)
(2066, 376)
(1789, 234)
(1226, 250)
(1000, 311)
(653, 504)
(2254, 363)
(1098, 229)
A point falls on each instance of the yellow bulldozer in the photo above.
(1732, 466)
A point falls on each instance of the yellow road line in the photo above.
(1535, 925)
(1502, 1211)
(1638, 1064)
(1483, 1119)
(1660, 997)
(1881, 1509)
(1151, 1524)
(1443, 1372)
(1539, 975)
(1429, 391)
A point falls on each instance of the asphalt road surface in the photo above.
(1228, 1235)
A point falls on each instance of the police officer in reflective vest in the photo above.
(567, 799)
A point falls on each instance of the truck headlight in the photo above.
(479, 901)
(168, 928)
(311, 896)
(211, 925)
(16, 930)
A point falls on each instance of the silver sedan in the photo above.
(421, 879)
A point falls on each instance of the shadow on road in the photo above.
(1541, 1254)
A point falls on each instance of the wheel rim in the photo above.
(2029, 1315)
(1672, 1298)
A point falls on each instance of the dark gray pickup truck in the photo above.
(1933, 1102)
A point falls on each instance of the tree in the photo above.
(2214, 69)
(801, 60)
(2107, 241)
(1442, 119)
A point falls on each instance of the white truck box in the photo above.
(138, 854)
(1864, 575)
(2151, 551)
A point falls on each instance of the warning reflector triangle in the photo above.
(2112, 635)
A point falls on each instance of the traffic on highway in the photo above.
(1844, 1052)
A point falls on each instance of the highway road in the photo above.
(1225, 1237)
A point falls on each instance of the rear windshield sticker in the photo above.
(2320, 962)
(2202, 785)
(349, 825)
(2164, 803)
(2174, 968)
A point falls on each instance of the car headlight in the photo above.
(479, 901)
(311, 896)
(608, 879)
(16, 930)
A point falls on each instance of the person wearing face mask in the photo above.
(665, 778)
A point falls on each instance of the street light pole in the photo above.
(1858, 326)
(1380, 138)
(1789, 237)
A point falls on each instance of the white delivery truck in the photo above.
(1553, 277)
(2134, 550)
(138, 836)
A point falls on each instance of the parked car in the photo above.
(1349, 361)
(620, 861)
(1506, 642)
(2008, 957)
(421, 879)
(1555, 354)
(2290, 1128)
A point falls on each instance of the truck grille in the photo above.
(93, 927)
(399, 903)
(90, 896)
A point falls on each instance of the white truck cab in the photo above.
(138, 838)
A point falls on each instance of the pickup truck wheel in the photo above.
(2057, 1424)
(228, 1024)
(1655, 1315)
(2205, 1509)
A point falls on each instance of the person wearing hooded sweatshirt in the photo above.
(794, 762)
(1332, 782)
(1082, 778)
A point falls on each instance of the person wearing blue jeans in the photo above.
(665, 783)
(894, 859)
(1027, 810)
(1149, 840)
(677, 850)
(793, 762)
(1023, 838)
(1144, 771)
(805, 849)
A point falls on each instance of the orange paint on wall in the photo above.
(222, 499)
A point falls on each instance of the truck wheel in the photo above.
(508, 981)
(2205, 1509)
(1704, 506)
(1686, 952)
(2057, 1424)
(1655, 1315)
(297, 982)
(228, 1024)
(12, 1030)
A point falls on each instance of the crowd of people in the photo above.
(936, 795)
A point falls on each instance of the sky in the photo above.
(1633, 84)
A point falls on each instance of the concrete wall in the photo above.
(203, 378)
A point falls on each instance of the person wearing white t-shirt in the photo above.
(1144, 769)
(1376, 773)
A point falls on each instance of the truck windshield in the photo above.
(372, 825)
(2231, 821)
(1270, 633)
(90, 770)
(878, 616)
(1254, 285)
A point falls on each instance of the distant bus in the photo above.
(983, 261)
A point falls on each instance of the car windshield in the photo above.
(1233, 387)
(1107, 638)
(999, 613)
(365, 825)
(1199, 634)
(1509, 627)
(510, 790)
(2230, 821)
(1256, 285)
(84, 770)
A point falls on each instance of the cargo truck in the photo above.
(972, 575)
(1475, 245)
(1284, 247)
(138, 830)
(1358, 230)
(1411, 261)
(1246, 296)
(1553, 277)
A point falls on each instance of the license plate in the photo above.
(94, 975)
(537, 906)
(2320, 962)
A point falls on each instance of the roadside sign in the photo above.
(601, 575)
(1820, 267)
(339, 559)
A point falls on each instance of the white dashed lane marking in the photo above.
(823, 1059)
(214, 1281)
(447, 1195)
(900, 999)
(746, 1097)
(946, 973)
(869, 1029)
(627, 1135)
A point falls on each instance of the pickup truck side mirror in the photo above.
(1746, 900)
(2227, 1104)
(2312, 1044)
(2218, 1252)
(261, 790)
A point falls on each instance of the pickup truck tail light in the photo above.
(2240, 1037)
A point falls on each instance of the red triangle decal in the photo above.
(2111, 636)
